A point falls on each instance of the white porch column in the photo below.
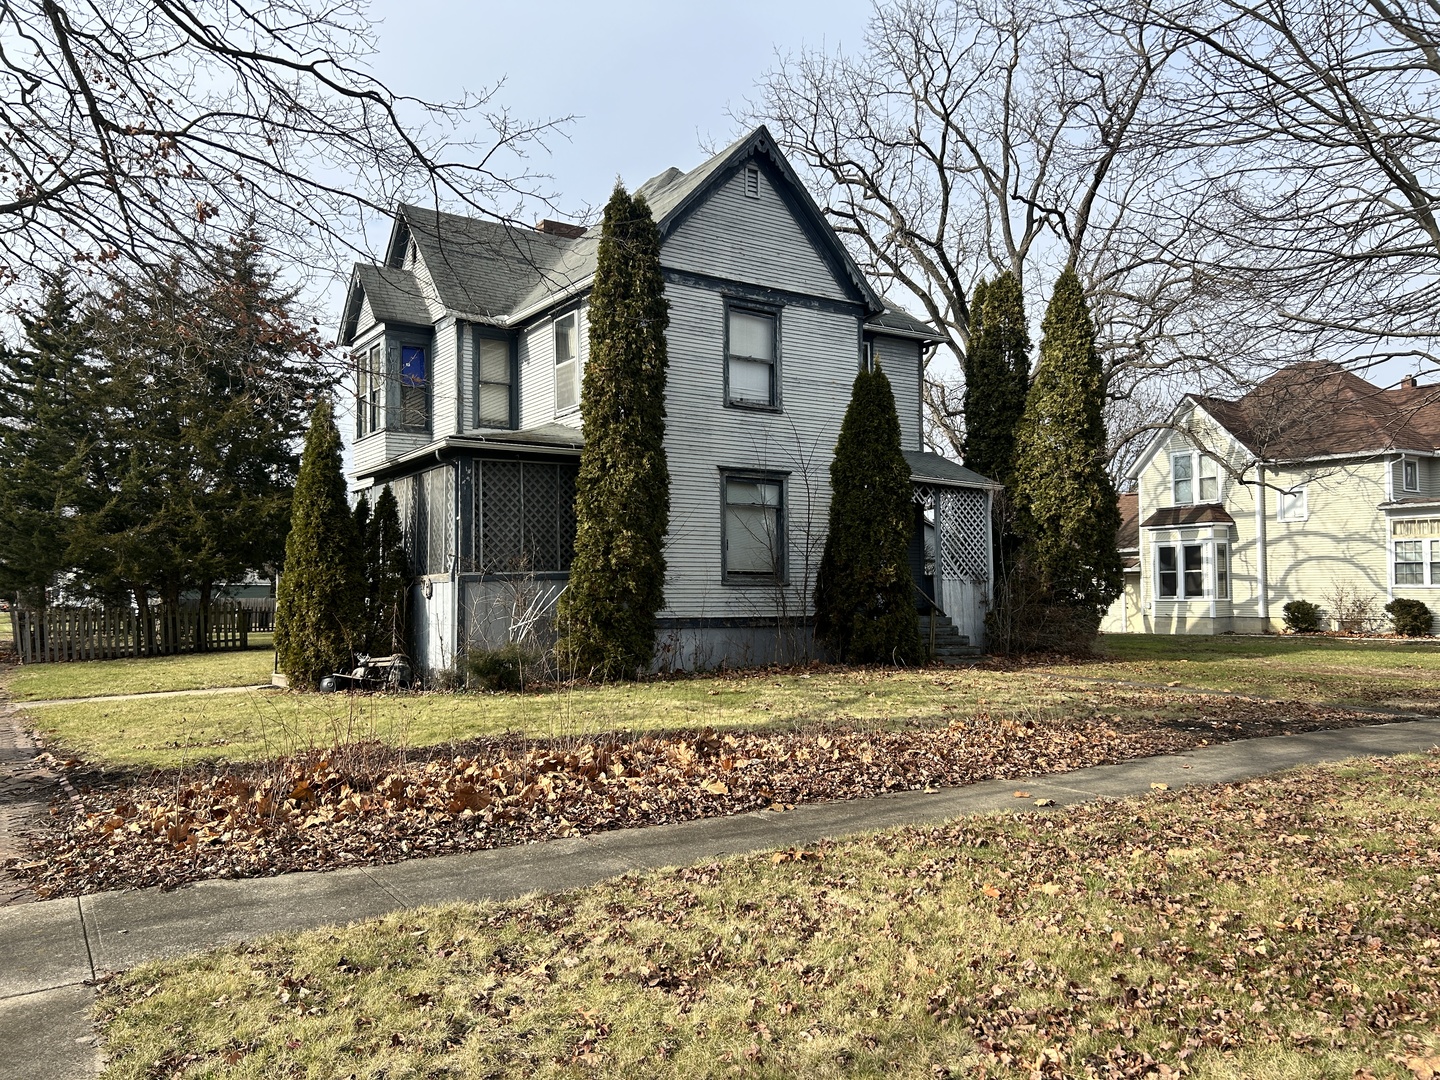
(1262, 579)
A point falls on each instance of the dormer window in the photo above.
(752, 182)
(1194, 478)
(567, 363)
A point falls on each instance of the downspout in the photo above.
(1262, 578)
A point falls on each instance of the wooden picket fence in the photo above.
(60, 634)
(262, 612)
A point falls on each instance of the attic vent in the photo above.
(752, 182)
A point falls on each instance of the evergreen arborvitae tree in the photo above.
(997, 376)
(622, 494)
(389, 576)
(319, 610)
(1067, 514)
(368, 556)
(864, 602)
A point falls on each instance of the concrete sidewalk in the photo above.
(49, 951)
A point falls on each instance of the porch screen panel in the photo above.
(501, 522)
(963, 530)
(565, 513)
(439, 520)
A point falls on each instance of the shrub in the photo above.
(1302, 617)
(1352, 610)
(506, 668)
(1411, 617)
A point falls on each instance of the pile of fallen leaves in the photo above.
(370, 804)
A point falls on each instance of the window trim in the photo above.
(1303, 490)
(756, 476)
(1409, 466)
(774, 312)
(572, 313)
(1198, 459)
(484, 333)
(1210, 570)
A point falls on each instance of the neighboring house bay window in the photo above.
(1416, 551)
(1188, 572)
(1410, 562)
(492, 383)
(751, 345)
(567, 363)
(753, 532)
(1193, 478)
(393, 386)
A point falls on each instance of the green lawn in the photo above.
(94, 678)
(7, 630)
(1340, 670)
(1292, 935)
(179, 730)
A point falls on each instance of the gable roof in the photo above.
(1319, 409)
(396, 296)
(495, 272)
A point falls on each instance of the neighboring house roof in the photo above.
(1128, 536)
(936, 469)
(491, 271)
(1171, 516)
(1320, 409)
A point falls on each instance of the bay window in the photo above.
(392, 385)
(1192, 571)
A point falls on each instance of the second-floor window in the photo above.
(1293, 505)
(393, 386)
(750, 347)
(567, 363)
(1194, 478)
(492, 383)
(1410, 475)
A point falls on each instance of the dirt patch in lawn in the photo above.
(372, 804)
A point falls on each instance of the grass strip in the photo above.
(1284, 927)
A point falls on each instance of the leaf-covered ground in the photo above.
(1281, 928)
(369, 803)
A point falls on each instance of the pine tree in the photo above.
(997, 376)
(622, 494)
(864, 602)
(1067, 514)
(319, 609)
(389, 576)
(50, 391)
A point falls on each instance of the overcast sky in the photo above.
(648, 82)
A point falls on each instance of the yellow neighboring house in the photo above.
(1316, 485)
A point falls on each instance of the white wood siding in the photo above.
(703, 436)
(899, 358)
(757, 241)
(537, 372)
(444, 379)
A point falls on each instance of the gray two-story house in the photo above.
(470, 341)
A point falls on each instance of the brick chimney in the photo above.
(1408, 383)
(560, 228)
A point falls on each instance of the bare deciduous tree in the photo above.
(971, 137)
(133, 126)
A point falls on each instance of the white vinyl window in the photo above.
(370, 390)
(567, 363)
(1293, 505)
(750, 357)
(1190, 572)
(1410, 475)
(753, 534)
(1194, 478)
(492, 383)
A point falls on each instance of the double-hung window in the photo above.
(753, 532)
(567, 363)
(414, 386)
(1182, 572)
(492, 383)
(751, 340)
(1409, 562)
(1194, 478)
(370, 390)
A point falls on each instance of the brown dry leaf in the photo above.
(1426, 1068)
(991, 891)
(1022, 794)
(1159, 787)
(1050, 889)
